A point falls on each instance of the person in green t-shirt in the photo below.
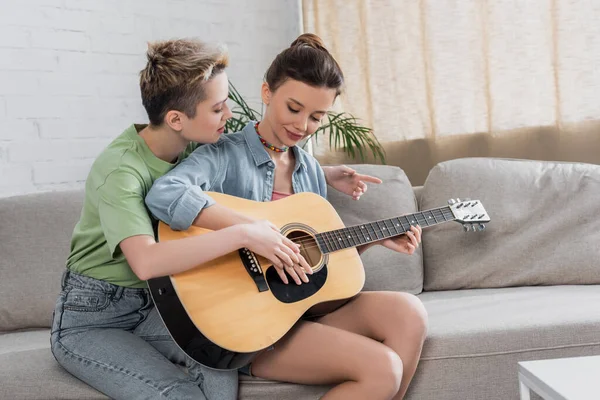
(105, 328)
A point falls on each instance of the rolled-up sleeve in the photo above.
(178, 197)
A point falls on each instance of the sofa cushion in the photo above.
(34, 244)
(385, 269)
(544, 227)
(28, 370)
(476, 337)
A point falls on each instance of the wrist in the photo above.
(327, 171)
(241, 235)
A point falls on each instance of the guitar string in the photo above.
(311, 238)
(354, 236)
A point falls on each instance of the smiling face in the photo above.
(211, 114)
(294, 111)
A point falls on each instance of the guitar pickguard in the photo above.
(291, 292)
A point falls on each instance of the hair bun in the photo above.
(310, 40)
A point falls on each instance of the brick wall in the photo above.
(69, 73)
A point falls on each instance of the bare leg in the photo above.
(345, 347)
(398, 320)
(314, 353)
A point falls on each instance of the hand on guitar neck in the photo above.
(406, 243)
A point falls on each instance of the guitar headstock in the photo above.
(470, 213)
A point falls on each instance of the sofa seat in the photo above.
(477, 336)
(473, 334)
(28, 370)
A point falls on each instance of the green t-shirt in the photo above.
(114, 208)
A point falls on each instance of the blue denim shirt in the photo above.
(238, 165)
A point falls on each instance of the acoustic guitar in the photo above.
(222, 313)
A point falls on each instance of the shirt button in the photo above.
(268, 173)
(270, 164)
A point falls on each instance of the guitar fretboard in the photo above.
(357, 235)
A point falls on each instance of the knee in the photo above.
(412, 312)
(384, 374)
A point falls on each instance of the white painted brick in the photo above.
(106, 107)
(64, 84)
(61, 172)
(114, 43)
(47, 17)
(68, 20)
(111, 23)
(51, 150)
(53, 3)
(19, 82)
(91, 5)
(37, 107)
(4, 152)
(75, 62)
(199, 11)
(18, 129)
(32, 16)
(15, 175)
(180, 28)
(21, 15)
(79, 128)
(14, 37)
(69, 82)
(27, 60)
(62, 40)
(117, 86)
(145, 8)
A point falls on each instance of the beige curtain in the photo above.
(443, 79)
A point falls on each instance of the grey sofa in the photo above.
(525, 288)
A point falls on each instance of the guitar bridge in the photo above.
(253, 268)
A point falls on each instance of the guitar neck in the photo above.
(358, 235)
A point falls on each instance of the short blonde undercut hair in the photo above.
(174, 76)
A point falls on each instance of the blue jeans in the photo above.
(113, 339)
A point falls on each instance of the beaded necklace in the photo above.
(269, 145)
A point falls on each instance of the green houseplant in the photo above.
(343, 129)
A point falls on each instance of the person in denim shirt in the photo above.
(368, 347)
(238, 165)
(106, 330)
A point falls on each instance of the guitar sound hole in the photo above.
(308, 248)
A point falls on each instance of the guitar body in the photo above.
(224, 312)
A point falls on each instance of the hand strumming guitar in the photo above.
(264, 238)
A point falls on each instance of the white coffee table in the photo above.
(576, 378)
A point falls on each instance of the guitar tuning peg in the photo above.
(481, 227)
(451, 202)
(466, 227)
(458, 200)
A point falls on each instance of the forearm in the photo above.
(218, 217)
(153, 260)
(327, 170)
